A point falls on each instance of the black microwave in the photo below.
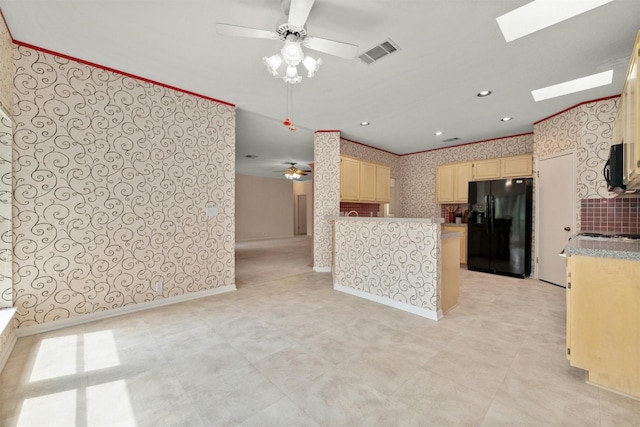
(613, 170)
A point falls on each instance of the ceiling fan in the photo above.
(293, 172)
(292, 31)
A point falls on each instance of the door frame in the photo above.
(573, 153)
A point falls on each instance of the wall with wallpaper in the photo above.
(586, 129)
(326, 195)
(369, 154)
(6, 68)
(112, 178)
(6, 99)
(416, 177)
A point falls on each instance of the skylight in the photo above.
(540, 14)
(577, 85)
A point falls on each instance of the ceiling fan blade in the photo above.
(299, 12)
(332, 47)
(238, 31)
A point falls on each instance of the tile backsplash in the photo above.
(610, 216)
(459, 208)
(363, 209)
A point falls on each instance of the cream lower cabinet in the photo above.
(463, 240)
(603, 321)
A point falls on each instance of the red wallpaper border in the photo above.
(123, 73)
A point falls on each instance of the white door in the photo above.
(555, 212)
(302, 214)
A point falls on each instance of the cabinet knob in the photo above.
(567, 229)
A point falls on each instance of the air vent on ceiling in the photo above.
(251, 156)
(451, 139)
(378, 52)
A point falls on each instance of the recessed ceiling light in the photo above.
(572, 86)
(438, 133)
(506, 119)
(364, 123)
(540, 14)
(484, 93)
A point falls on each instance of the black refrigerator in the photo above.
(499, 229)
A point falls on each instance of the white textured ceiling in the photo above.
(450, 50)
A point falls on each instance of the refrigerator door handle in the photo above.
(487, 212)
(492, 209)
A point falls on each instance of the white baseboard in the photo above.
(78, 320)
(322, 269)
(429, 314)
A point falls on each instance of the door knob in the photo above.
(567, 229)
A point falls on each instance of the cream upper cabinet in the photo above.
(383, 183)
(349, 179)
(505, 167)
(453, 182)
(367, 182)
(444, 184)
(362, 181)
(517, 166)
(486, 169)
(627, 127)
(463, 173)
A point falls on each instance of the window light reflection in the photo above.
(108, 402)
(51, 409)
(56, 357)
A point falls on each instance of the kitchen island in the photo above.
(603, 312)
(406, 263)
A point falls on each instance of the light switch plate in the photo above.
(212, 211)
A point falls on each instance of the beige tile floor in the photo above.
(294, 352)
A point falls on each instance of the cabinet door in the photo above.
(631, 129)
(518, 166)
(367, 181)
(463, 174)
(444, 184)
(349, 179)
(463, 246)
(486, 169)
(383, 183)
(604, 323)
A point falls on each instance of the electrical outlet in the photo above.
(158, 286)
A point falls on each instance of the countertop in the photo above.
(385, 219)
(453, 224)
(604, 248)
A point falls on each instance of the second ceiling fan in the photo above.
(292, 31)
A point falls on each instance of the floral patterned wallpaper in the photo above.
(586, 129)
(6, 68)
(112, 177)
(394, 260)
(6, 252)
(416, 178)
(326, 195)
(369, 154)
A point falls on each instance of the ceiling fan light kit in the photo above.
(292, 31)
